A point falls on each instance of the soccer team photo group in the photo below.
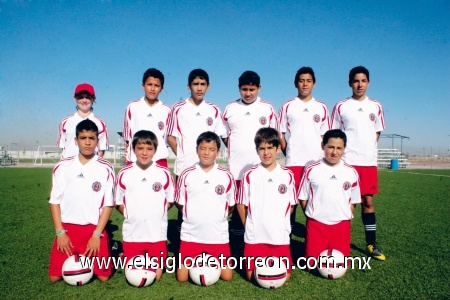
(235, 218)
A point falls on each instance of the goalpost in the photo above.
(47, 155)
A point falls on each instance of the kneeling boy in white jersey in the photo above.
(144, 193)
(81, 202)
(265, 204)
(329, 192)
(205, 196)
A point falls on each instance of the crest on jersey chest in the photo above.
(157, 186)
(346, 185)
(263, 120)
(160, 125)
(96, 186)
(220, 189)
(372, 117)
(209, 121)
(282, 188)
(316, 118)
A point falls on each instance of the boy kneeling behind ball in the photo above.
(81, 202)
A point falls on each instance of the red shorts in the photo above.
(191, 249)
(298, 172)
(265, 250)
(158, 249)
(368, 179)
(320, 236)
(79, 236)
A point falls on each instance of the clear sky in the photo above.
(48, 47)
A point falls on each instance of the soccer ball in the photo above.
(74, 270)
(138, 273)
(272, 274)
(205, 270)
(331, 264)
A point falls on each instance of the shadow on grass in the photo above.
(356, 248)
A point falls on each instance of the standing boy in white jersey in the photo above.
(190, 118)
(362, 120)
(305, 119)
(205, 195)
(328, 194)
(81, 202)
(148, 113)
(265, 202)
(84, 98)
(243, 118)
(144, 193)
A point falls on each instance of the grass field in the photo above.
(413, 230)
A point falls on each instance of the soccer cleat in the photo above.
(375, 252)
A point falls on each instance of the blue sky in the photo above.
(48, 47)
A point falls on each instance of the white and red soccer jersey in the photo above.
(145, 195)
(206, 197)
(82, 190)
(329, 191)
(67, 133)
(141, 116)
(188, 122)
(305, 123)
(360, 120)
(242, 121)
(269, 196)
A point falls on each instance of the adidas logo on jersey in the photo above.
(80, 175)
(333, 178)
(198, 114)
(150, 115)
(360, 110)
(206, 182)
(305, 110)
(270, 180)
(248, 113)
(144, 180)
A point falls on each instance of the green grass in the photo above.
(413, 231)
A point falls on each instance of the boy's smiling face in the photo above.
(84, 102)
(144, 154)
(268, 154)
(207, 153)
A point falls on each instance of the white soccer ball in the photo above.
(75, 270)
(272, 274)
(331, 264)
(205, 270)
(138, 272)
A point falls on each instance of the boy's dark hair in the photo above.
(208, 136)
(334, 133)
(249, 78)
(357, 70)
(145, 137)
(86, 125)
(198, 73)
(155, 73)
(304, 70)
(267, 135)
